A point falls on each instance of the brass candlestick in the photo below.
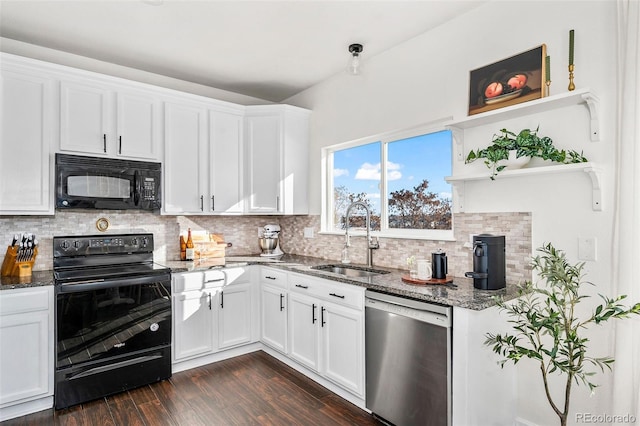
(571, 85)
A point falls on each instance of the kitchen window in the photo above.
(401, 179)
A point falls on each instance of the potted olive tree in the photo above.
(547, 329)
(524, 145)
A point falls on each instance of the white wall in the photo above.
(426, 78)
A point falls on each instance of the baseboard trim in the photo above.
(352, 398)
(24, 408)
(218, 356)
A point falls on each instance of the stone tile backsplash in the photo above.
(242, 232)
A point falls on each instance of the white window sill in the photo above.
(407, 235)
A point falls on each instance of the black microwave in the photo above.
(106, 183)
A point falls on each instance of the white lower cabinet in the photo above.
(304, 336)
(342, 346)
(192, 317)
(313, 323)
(26, 351)
(274, 307)
(234, 315)
(326, 329)
(212, 311)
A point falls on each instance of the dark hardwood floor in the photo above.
(252, 389)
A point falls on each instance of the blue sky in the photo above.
(410, 161)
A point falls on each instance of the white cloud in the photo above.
(340, 172)
(446, 195)
(368, 171)
(373, 195)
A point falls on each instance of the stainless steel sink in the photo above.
(350, 271)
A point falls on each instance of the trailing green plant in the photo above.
(527, 143)
(546, 327)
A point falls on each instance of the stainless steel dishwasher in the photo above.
(408, 360)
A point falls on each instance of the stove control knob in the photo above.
(134, 241)
(77, 244)
(65, 244)
(145, 241)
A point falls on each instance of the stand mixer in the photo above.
(269, 241)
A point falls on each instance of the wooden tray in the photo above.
(431, 281)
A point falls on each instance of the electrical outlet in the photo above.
(587, 248)
(308, 232)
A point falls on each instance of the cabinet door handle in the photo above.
(337, 295)
(209, 301)
(214, 281)
(281, 302)
(313, 314)
(222, 299)
(277, 202)
(322, 321)
(119, 144)
(213, 203)
(270, 278)
(202, 203)
(302, 286)
(104, 142)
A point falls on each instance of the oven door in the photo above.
(111, 319)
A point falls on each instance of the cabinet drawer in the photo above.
(273, 277)
(237, 275)
(27, 300)
(339, 293)
(187, 281)
(215, 278)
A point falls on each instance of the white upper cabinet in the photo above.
(225, 162)
(185, 173)
(276, 159)
(137, 123)
(203, 159)
(26, 133)
(108, 120)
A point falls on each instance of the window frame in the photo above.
(327, 225)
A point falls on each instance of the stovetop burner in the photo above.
(103, 257)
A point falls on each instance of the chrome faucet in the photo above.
(372, 242)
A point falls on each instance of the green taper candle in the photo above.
(571, 42)
(547, 68)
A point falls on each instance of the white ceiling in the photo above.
(265, 49)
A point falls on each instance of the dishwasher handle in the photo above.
(422, 311)
(409, 303)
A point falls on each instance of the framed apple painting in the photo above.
(510, 81)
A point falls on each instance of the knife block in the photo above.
(11, 267)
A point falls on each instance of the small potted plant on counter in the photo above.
(515, 150)
(548, 330)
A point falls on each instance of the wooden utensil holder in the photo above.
(11, 267)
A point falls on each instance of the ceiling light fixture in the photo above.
(355, 64)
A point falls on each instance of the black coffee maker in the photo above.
(489, 266)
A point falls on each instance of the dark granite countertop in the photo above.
(37, 279)
(458, 294)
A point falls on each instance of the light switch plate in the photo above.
(308, 232)
(587, 248)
